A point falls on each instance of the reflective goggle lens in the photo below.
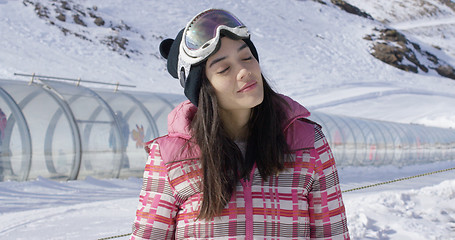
(204, 27)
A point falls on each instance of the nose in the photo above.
(243, 74)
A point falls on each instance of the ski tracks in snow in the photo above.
(361, 96)
(422, 23)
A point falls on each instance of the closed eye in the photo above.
(224, 70)
(248, 58)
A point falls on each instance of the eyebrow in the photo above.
(222, 58)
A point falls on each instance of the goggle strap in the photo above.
(183, 70)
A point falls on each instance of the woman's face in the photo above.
(235, 75)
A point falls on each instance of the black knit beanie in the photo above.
(169, 49)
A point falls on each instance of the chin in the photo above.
(256, 101)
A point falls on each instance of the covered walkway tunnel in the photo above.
(61, 131)
(366, 142)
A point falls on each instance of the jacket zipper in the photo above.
(248, 197)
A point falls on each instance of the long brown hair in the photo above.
(223, 164)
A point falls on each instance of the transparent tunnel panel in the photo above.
(378, 147)
(359, 149)
(99, 136)
(41, 109)
(391, 141)
(38, 106)
(136, 125)
(410, 143)
(428, 140)
(445, 143)
(434, 153)
(335, 136)
(15, 145)
(399, 141)
(349, 141)
(60, 154)
(159, 106)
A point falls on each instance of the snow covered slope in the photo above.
(431, 21)
(311, 51)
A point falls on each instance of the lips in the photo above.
(248, 86)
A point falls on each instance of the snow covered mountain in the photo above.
(311, 50)
(431, 21)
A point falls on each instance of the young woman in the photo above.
(240, 161)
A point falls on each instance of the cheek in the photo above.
(257, 68)
(220, 85)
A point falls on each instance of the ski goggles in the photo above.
(202, 35)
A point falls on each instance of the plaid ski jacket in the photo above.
(302, 202)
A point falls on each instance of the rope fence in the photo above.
(398, 180)
(345, 191)
(118, 236)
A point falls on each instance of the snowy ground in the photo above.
(312, 52)
(420, 208)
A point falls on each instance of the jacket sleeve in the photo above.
(155, 215)
(327, 212)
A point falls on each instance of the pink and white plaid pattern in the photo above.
(302, 202)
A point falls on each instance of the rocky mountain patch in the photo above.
(75, 19)
(392, 47)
